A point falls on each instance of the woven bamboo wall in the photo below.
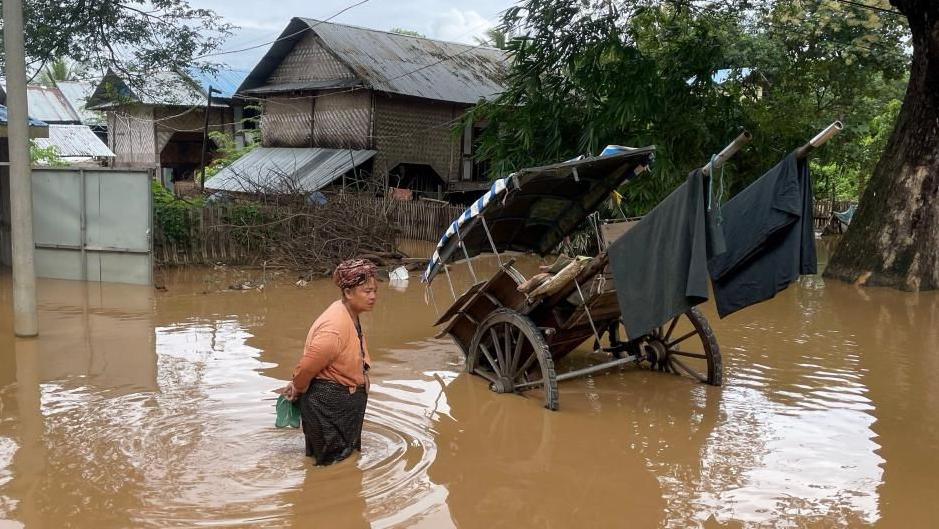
(309, 61)
(342, 119)
(410, 130)
(131, 136)
(286, 121)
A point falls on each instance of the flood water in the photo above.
(143, 408)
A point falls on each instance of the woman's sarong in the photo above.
(332, 420)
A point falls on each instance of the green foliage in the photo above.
(173, 215)
(495, 38)
(845, 175)
(61, 69)
(135, 38)
(408, 32)
(48, 156)
(643, 72)
(227, 152)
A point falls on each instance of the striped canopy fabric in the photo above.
(533, 209)
(499, 187)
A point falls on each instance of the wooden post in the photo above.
(205, 136)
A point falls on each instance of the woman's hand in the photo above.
(290, 392)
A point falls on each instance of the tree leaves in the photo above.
(133, 37)
(687, 77)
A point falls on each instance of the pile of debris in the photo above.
(312, 238)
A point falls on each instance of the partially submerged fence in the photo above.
(825, 208)
(217, 233)
(423, 220)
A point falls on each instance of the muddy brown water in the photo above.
(141, 408)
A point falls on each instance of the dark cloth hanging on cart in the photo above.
(770, 238)
(660, 265)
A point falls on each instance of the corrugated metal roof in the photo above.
(48, 104)
(395, 63)
(33, 122)
(225, 81)
(75, 141)
(169, 88)
(160, 88)
(77, 94)
(304, 85)
(37, 129)
(268, 169)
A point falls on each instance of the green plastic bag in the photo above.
(288, 413)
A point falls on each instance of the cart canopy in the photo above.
(533, 209)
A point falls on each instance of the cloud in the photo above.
(459, 25)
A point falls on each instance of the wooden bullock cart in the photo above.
(514, 340)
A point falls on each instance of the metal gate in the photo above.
(93, 224)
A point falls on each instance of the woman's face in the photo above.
(362, 298)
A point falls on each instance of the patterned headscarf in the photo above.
(353, 272)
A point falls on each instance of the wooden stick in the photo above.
(819, 139)
(728, 151)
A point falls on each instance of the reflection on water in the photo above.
(143, 409)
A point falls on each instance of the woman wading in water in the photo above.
(331, 379)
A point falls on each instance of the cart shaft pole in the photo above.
(820, 139)
(728, 151)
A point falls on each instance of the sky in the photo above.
(261, 22)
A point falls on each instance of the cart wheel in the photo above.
(685, 346)
(510, 352)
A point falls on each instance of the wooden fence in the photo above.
(824, 209)
(208, 235)
(205, 239)
(422, 220)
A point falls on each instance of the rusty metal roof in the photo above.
(279, 169)
(77, 94)
(75, 141)
(395, 63)
(47, 103)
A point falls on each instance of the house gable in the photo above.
(317, 55)
(309, 60)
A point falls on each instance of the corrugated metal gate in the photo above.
(93, 224)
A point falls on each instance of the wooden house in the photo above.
(393, 101)
(160, 124)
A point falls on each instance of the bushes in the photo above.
(171, 214)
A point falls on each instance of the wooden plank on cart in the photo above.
(459, 303)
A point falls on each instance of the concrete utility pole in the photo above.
(25, 318)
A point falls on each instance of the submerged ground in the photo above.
(139, 408)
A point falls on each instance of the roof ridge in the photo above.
(402, 35)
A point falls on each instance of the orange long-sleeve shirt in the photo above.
(332, 351)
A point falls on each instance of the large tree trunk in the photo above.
(894, 237)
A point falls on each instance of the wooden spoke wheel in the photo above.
(685, 346)
(510, 352)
